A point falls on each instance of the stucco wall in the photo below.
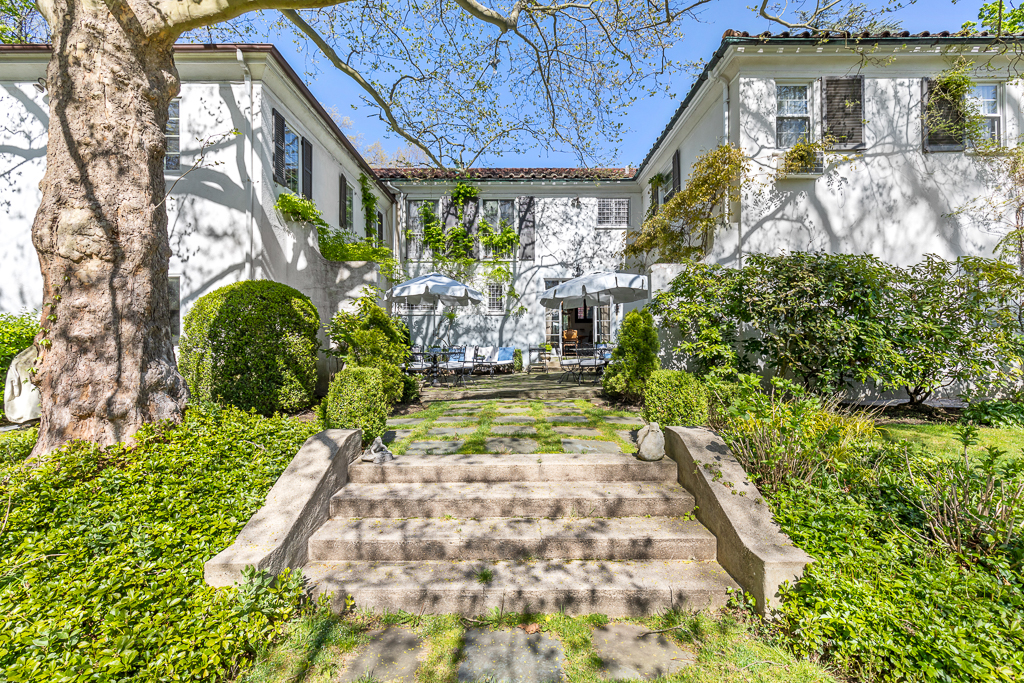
(568, 244)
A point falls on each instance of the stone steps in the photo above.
(469, 500)
(498, 538)
(562, 467)
(632, 588)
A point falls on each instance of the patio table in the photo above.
(543, 354)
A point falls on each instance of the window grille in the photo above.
(172, 132)
(612, 212)
(291, 158)
(499, 214)
(495, 298)
(986, 101)
(415, 249)
(415, 309)
(174, 304)
(792, 116)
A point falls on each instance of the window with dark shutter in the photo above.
(380, 227)
(278, 148)
(343, 216)
(942, 120)
(844, 110)
(307, 169)
(527, 229)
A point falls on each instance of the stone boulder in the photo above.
(651, 443)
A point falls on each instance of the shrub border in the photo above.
(751, 546)
(277, 536)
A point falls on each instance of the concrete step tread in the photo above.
(615, 588)
(512, 499)
(509, 538)
(454, 468)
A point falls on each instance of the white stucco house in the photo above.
(260, 132)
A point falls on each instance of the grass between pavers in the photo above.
(941, 438)
(485, 418)
(317, 647)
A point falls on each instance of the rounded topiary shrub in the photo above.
(675, 398)
(252, 345)
(356, 400)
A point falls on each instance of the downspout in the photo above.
(725, 140)
(248, 152)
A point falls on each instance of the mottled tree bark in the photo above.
(106, 363)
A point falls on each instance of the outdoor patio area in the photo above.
(535, 385)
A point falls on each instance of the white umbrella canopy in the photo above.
(433, 288)
(597, 289)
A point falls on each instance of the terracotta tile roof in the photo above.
(506, 174)
(866, 35)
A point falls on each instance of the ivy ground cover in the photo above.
(102, 551)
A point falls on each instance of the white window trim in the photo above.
(1000, 115)
(484, 251)
(166, 136)
(813, 124)
(613, 226)
(423, 247)
(665, 192)
(504, 299)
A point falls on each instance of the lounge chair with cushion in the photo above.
(504, 358)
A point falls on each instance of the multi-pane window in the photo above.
(986, 101)
(602, 324)
(291, 158)
(495, 298)
(792, 115)
(499, 214)
(414, 228)
(667, 189)
(612, 213)
(401, 308)
(174, 304)
(172, 131)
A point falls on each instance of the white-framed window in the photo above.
(346, 204)
(292, 158)
(792, 115)
(499, 214)
(985, 98)
(415, 248)
(174, 304)
(414, 309)
(667, 188)
(172, 132)
(612, 213)
(495, 298)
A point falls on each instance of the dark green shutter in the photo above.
(844, 110)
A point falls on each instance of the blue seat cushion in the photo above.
(505, 353)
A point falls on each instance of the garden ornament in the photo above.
(378, 453)
(21, 397)
(651, 443)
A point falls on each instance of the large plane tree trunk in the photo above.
(106, 363)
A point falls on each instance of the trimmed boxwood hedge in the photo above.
(101, 563)
(356, 400)
(675, 398)
(252, 345)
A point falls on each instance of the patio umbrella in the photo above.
(431, 289)
(597, 289)
(434, 288)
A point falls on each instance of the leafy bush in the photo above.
(1002, 413)
(675, 398)
(410, 389)
(356, 400)
(252, 345)
(888, 597)
(335, 245)
(101, 563)
(634, 358)
(17, 330)
(371, 338)
(829, 319)
(517, 360)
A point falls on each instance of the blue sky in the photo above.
(647, 117)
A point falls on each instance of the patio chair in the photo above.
(457, 365)
(570, 367)
(418, 363)
(590, 359)
(483, 359)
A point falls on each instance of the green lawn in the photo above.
(942, 439)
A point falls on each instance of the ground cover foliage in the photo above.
(101, 555)
(918, 570)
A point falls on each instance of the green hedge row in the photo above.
(356, 400)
